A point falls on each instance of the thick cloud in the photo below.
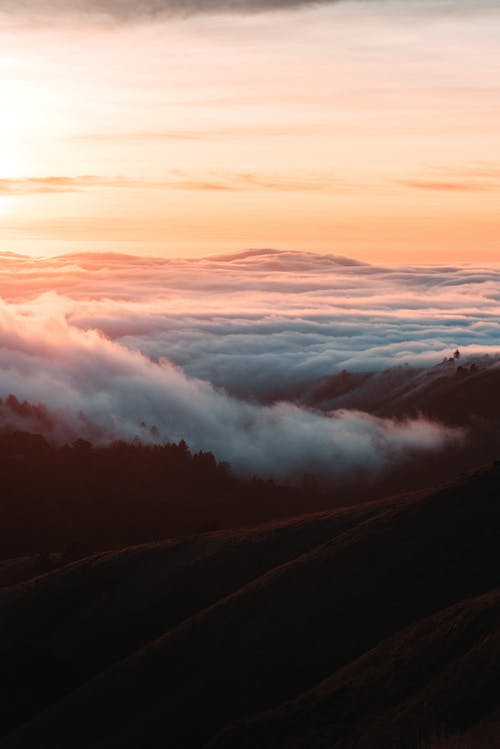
(129, 10)
(118, 346)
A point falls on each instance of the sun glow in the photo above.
(379, 145)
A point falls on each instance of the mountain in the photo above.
(326, 631)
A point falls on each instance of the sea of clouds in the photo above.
(207, 350)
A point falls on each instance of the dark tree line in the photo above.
(77, 498)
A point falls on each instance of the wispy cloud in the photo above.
(468, 178)
(176, 180)
(242, 181)
(474, 178)
(451, 186)
(52, 184)
(204, 134)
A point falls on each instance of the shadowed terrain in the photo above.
(62, 503)
(321, 631)
(438, 676)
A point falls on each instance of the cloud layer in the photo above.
(119, 346)
(265, 321)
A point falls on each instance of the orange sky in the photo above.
(370, 129)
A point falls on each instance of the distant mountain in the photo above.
(372, 628)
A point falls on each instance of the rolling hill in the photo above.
(326, 631)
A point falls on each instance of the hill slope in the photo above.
(435, 678)
(60, 629)
(276, 633)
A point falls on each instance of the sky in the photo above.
(364, 128)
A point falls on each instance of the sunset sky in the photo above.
(173, 128)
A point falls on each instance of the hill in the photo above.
(73, 500)
(177, 642)
(439, 677)
(456, 391)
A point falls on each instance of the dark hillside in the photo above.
(76, 499)
(438, 678)
(294, 626)
(90, 614)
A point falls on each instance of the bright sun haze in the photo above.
(366, 128)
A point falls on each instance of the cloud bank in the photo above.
(119, 346)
